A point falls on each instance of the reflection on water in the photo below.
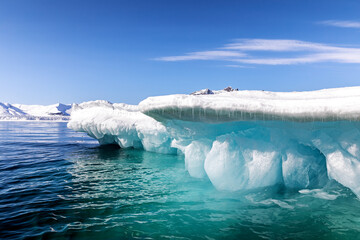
(55, 183)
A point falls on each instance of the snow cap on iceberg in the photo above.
(226, 106)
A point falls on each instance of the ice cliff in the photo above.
(241, 139)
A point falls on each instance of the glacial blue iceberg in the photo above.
(241, 139)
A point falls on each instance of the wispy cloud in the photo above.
(205, 55)
(343, 24)
(306, 52)
(277, 45)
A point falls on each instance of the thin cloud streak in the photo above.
(277, 45)
(205, 55)
(308, 52)
(343, 24)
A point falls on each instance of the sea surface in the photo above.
(59, 184)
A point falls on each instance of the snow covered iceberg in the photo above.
(241, 139)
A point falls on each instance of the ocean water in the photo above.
(59, 184)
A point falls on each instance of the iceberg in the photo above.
(241, 139)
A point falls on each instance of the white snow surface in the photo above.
(8, 111)
(321, 105)
(56, 112)
(241, 139)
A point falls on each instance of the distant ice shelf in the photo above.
(55, 112)
(241, 139)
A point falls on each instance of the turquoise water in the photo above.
(58, 184)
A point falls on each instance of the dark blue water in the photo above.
(58, 184)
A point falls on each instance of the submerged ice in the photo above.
(241, 139)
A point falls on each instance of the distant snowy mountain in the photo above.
(56, 112)
(207, 91)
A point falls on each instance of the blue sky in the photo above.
(124, 51)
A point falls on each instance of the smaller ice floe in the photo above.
(320, 193)
(279, 203)
(270, 201)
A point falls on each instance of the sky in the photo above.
(125, 51)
